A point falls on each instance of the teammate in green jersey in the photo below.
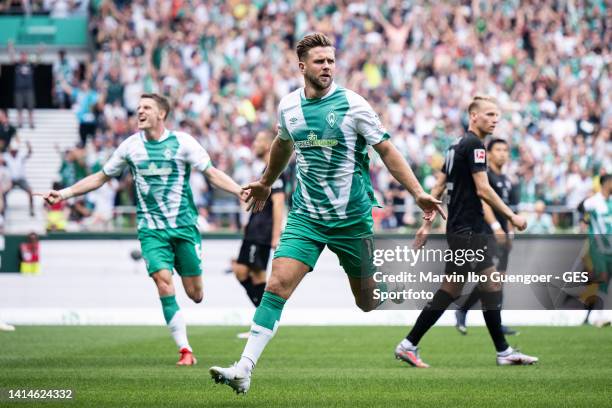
(329, 128)
(160, 161)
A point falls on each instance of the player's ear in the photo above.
(302, 66)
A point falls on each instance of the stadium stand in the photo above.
(226, 65)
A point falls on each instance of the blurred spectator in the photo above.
(63, 71)
(15, 160)
(225, 67)
(29, 259)
(540, 222)
(7, 131)
(5, 187)
(24, 86)
(57, 214)
(85, 105)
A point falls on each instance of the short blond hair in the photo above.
(478, 100)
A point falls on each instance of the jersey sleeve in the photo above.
(282, 131)
(476, 156)
(196, 155)
(117, 162)
(368, 123)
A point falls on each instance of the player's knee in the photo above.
(277, 286)
(196, 295)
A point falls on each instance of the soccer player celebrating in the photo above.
(160, 161)
(464, 176)
(497, 224)
(261, 233)
(329, 127)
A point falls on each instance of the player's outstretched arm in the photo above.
(398, 167)
(486, 193)
(258, 192)
(221, 180)
(81, 187)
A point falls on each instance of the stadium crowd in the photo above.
(225, 66)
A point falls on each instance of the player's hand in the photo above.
(421, 236)
(52, 197)
(257, 195)
(430, 206)
(519, 222)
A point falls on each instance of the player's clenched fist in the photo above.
(53, 197)
(519, 222)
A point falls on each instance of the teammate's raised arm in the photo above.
(221, 180)
(83, 186)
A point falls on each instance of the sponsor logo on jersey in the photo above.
(331, 118)
(153, 170)
(313, 140)
(479, 155)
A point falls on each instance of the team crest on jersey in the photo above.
(167, 154)
(479, 155)
(331, 118)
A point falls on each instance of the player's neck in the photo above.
(313, 92)
(154, 134)
(495, 168)
(477, 132)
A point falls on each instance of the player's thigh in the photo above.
(187, 244)
(301, 242)
(163, 281)
(287, 273)
(157, 250)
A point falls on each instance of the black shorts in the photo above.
(472, 252)
(24, 98)
(254, 255)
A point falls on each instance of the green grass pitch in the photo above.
(308, 367)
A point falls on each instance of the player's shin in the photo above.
(264, 326)
(429, 316)
(175, 321)
(491, 311)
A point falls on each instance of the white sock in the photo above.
(406, 344)
(178, 329)
(259, 338)
(506, 352)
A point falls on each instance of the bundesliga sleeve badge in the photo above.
(479, 155)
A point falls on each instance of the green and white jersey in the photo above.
(330, 136)
(599, 216)
(161, 172)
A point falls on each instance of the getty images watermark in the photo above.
(552, 272)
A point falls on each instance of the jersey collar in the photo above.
(164, 136)
(332, 89)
